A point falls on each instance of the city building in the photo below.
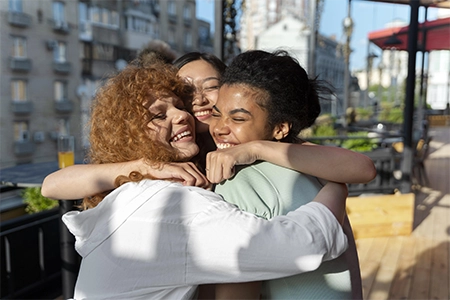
(55, 53)
(258, 15)
(40, 70)
(293, 35)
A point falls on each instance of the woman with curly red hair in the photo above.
(155, 239)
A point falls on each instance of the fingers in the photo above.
(186, 173)
(219, 166)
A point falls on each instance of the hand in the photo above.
(220, 163)
(184, 172)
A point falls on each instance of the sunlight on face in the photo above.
(237, 118)
(173, 125)
(206, 81)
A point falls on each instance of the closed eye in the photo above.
(158, 117)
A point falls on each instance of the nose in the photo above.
(219, 127)
(180, 116)
(198, 97)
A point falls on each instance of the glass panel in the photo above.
(19, 90)
(59, 90)
(59, 52)
(19, 47)
(15, 5)
(21, 131)
(58, 12)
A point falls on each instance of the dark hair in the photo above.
(213, 60)
(287, 94)
(155, 50)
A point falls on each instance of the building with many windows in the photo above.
(55, 53)
(293, 35)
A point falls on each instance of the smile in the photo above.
(224, 145)
(180, 136)
(203, 113)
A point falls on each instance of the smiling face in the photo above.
(206, 81)
(238, 118)
(173, 125)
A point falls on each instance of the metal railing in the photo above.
(30, 255)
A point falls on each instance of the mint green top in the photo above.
(268, 190)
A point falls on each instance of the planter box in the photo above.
(381, 215)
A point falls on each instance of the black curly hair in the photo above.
(287, 94)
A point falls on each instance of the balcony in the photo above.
(22, 107)
(173, 18)
(20, 64)
(62, 67)
(23, 147)
(64, 106)
(85, 31)
(31, 265)
(60, 26)
(19, 19)
(187, 22)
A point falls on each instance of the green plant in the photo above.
(35, 201)
(391, 114)
(359, 145)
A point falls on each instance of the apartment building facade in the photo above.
(55, 54)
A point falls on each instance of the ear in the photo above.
(281, 130)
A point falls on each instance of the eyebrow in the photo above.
(209, 78)
(234, 111)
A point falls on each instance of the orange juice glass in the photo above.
(66, 148)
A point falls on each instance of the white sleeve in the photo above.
(235, 246)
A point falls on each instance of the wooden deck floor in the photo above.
(415, 266)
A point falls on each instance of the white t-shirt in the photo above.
(158, 240)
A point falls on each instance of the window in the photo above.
(83, 12)
(140, 25)
(104, 16)
(62, 127)
(19, 90)
(59, 15)
(21, 131)
(15, 5)
(171, 8)
(60, 91)
(103, 52)
(187, 15)
(188, 40)
(59, 52)
(19, 47)
(171, 36)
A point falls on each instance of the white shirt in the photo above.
(159, 240)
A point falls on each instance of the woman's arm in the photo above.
(326, 162)
(79, 181)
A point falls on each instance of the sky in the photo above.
(367, 16)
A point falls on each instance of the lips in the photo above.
(181, 135)
(224, 145)
(203, 114)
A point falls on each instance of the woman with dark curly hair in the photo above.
(269, 97)
(155, 239)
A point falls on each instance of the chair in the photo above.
(419, 173)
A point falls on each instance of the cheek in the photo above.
(213, 98)
(157, 133)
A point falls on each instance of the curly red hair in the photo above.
(119, 117)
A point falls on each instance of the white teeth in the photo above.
(224, 146)
(202, 113)
(181, 135)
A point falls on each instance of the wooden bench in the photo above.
(381, 215)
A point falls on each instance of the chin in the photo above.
(188, 154)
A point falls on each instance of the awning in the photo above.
(425, 3)
(437, 36)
